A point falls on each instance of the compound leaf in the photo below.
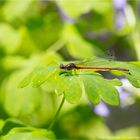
(99, 88)
(38, 76)
(71, 88)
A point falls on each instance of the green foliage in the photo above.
(96, 86)
(38, 76)
(9, 124)
(20, 8)
(71, 89)
(85, 6)
(134, 68)
(99, 88)
(36, 37)
(28, 133)
(24, 103)
(73, 38)
(10, 38)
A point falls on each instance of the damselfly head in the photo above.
(62, 66)
(69, 66)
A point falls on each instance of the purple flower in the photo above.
(119, 4)
(120, 18)
(125, 94)
(101, 109)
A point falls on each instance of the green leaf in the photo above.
(75, 42)
(133, 74)
(42, 75)
(14, 9)
(26, 133)
(60, 86)
(75, 8)
(91, 90)
(115, 82)
(2, 123)
(38, 76)
(9, 124)
(73, 91)
(134, 80)
(49, 24)
(70, 86)
(99, 88)
(102, 7)
(17, 101)
(10, 38)
(13, 62)
(96, 86)
(27, 80)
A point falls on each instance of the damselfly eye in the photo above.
(71, 66)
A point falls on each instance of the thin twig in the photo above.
(57, 113)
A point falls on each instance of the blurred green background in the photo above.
(41, 32)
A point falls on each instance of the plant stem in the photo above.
(57, 113)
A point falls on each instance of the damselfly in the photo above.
(72, 66)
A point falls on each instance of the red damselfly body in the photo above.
(72, 66)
